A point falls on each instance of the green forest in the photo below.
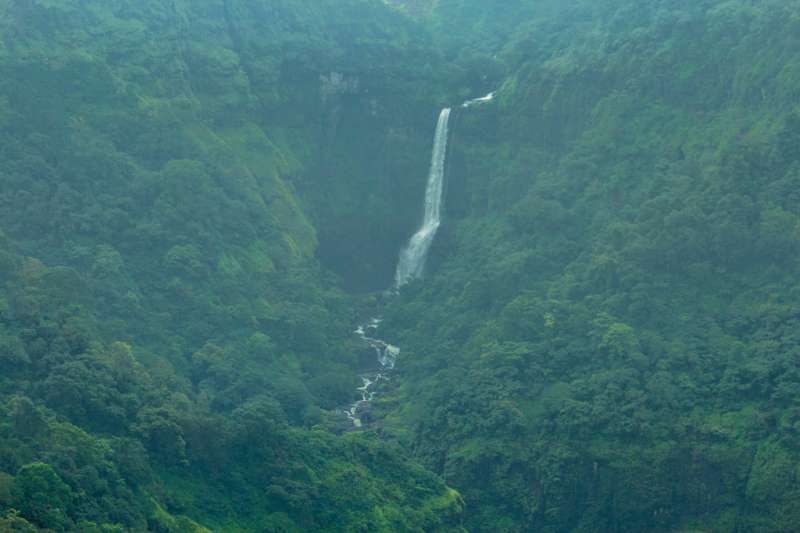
(202, 201)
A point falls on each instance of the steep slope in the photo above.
(171, 348)
(607, 341)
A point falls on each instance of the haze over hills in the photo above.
(201, 201)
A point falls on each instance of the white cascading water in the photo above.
(410, 265)
(483, 99)
(413, 256)
(386, 355)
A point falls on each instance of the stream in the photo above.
(386, 355)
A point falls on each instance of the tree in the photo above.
(621, 342)
(42, 497)
(13, 356)
(27, 418)
(14, 523)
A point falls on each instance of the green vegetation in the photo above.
(609, 341)
(198, 197)
(171, 349)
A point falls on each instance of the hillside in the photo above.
(608, 341)
(200, 201)
(172, 349)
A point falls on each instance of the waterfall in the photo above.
(413, 256)
(410, 266)
(488, 98)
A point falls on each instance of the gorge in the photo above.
(269, 266)
(411, 263)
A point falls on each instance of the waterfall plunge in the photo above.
(410, 265)
(413, 256)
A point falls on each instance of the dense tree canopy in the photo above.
(608, 341)
(200, 199)
(172, 350)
